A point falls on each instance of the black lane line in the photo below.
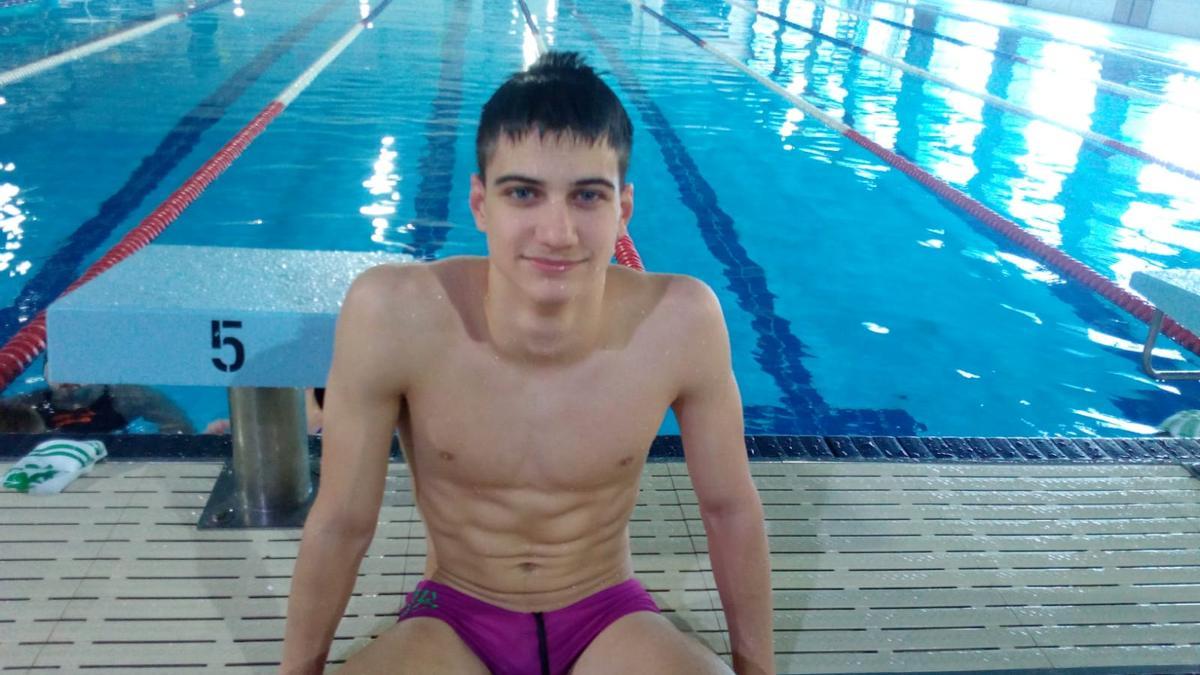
(779, 352)
(62, 268)
(432, 203)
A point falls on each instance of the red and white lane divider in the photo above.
(626, 253)
(1045, 64)
(88, 48)
(1087, 134)
(1053, 257)
(24, 347)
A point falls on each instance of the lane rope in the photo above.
(626, 253)
(30, 341)
(1053, 257)
(100, 44)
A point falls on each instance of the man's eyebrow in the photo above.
(596, 181)
(517, 178)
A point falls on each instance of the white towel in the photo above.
(53, 464)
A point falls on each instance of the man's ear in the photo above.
(626, 208)
(478, 192)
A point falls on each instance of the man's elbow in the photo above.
(740, 507)
(324, 524)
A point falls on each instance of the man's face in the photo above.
(552, 211)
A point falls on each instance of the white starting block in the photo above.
(1175, 293)
(257, 321)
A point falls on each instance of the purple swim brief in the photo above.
(523, 643)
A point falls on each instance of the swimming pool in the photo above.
(858, 302)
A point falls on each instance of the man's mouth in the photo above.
(553, 265)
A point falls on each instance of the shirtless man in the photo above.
(528, 386)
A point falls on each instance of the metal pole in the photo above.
(270, 451)
(1148, 355)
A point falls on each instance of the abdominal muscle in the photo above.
(524, 549)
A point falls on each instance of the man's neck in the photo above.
(539, 333)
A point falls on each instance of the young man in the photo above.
(528, 386)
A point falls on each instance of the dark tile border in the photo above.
(178, 447)
(949, 449)
(148, 447)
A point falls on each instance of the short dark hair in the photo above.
(558, 95)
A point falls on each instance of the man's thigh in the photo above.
(421, 645)
(645, 642)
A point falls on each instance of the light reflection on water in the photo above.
(12, 219)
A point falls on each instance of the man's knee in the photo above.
(647, 642)
(421, 645)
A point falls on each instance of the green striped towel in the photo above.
(52, 465)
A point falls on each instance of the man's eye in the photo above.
(589, 196)
(521, 193)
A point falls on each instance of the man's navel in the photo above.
(448, 456)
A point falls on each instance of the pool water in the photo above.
(857, 301)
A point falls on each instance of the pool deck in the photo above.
(877, 567)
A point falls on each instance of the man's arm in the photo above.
(709, 410)
(134, 401)
(361, 408)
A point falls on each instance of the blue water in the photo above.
(857, 301)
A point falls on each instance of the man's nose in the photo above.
(556, 228)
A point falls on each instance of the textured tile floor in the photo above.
(877, 567)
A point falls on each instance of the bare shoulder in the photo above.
(408, 297)
(679, 300)
(395, 318)
(690, 294)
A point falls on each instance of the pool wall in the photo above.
(1178, 17)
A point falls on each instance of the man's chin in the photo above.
(554, 291)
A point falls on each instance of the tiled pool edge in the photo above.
(949, 449)
(926, 449)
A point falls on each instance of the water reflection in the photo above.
(12, 219)
(1026, 168)
(382, 187)
(1114, 212)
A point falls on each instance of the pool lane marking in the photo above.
(1101, 83)
(100, 44)
(57, 272)
(626, 252)
(1055, 258)
(1135, 53)
(537, 34)
(442, 129)
(1087, 134)
(778, 351)
(24, 347)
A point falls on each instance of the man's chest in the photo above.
(475, 420)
